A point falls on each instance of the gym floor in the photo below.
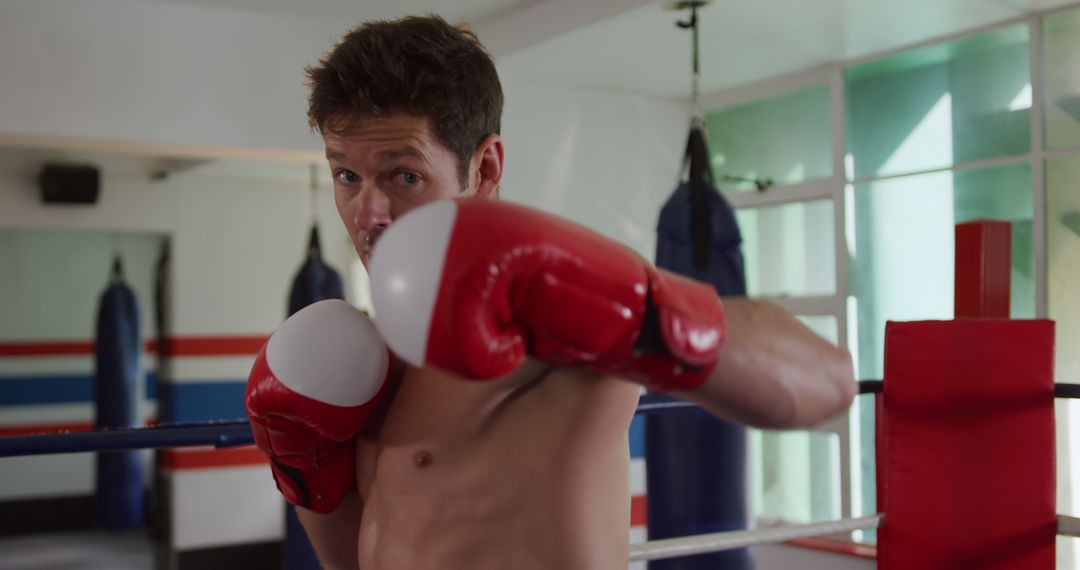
(81, 550)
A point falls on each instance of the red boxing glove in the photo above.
(473, 285)
(312, 388)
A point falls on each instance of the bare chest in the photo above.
(468, 472)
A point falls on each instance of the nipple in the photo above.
(422, 459)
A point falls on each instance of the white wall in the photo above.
(126, 204)
(157, 72)
(606, 159)
(236, 243)
(52, 280)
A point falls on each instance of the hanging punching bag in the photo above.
(118, 503)
(696, 463)
(314, 281)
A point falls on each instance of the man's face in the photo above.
(384, 167)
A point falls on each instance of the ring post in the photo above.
(966, 475)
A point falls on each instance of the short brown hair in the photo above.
(420, 66)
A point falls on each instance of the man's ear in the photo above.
(486, 167)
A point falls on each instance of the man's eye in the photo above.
(409, 178)
(348, 176)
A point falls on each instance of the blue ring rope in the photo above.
(234, 433)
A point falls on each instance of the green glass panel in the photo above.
(795, 476)
(824, 325)
(932, 107)
(789, 249)
(786, 138)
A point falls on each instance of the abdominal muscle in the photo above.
(526, 472)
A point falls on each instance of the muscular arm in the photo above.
(575, 296)
(774, 372)
(335, 535)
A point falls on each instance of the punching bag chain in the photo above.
(692, 25)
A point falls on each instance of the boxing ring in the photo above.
(964, 438)
(226, 434)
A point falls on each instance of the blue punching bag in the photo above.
(119, 475)
(696, 463)
(314, 281)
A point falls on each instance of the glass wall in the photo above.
(783, 138)
(790, 252)
(918, 124)
(934, 136)
(789, 249)
(936, 106)
(795, 476)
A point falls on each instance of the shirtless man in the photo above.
(527, 471)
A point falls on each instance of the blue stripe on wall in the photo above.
(637, 437)
(201, 402)
(56, 389)
(46, 389)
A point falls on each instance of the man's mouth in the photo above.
(368, 241)
(371, 237)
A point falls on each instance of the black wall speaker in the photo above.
(68, 184)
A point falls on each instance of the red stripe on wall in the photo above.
(47, 348)
(177, 346)
(214, 345)
(638, 513)
(211, 458)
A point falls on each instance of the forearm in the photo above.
(774, 372)
(335, 536)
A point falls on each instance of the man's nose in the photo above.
(372, 208)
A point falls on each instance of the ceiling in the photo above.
(356, 10)
(634, 45)
(746, 41)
